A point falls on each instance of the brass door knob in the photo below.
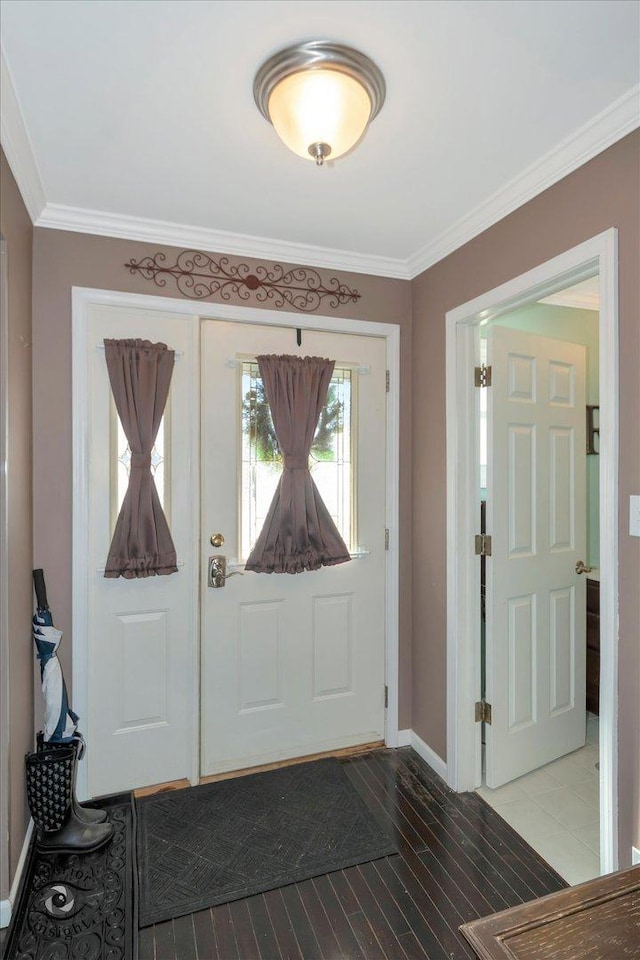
(216, 540)
(581, 567)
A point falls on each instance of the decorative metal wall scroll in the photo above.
(198, 275)
(593, 427)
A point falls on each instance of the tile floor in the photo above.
(556, 809)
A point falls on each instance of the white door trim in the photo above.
(464, 759)
(82, 297)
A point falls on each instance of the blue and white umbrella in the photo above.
(60, 722)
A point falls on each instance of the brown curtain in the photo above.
(140, 375)
(298, 533)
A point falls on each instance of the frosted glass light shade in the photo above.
(320, 96)
(319, 107)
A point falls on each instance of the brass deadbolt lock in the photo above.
(216, 540)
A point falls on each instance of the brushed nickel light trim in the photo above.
(319, 151)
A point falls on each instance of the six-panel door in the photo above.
(536, 515)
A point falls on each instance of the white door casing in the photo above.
(536, 516)
(598, 255)
(290, 664)
(141, 633)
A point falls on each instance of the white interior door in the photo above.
(142, 636)
(291, 664)
(536, 514)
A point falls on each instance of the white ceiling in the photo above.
(584, 295)
(142, 110)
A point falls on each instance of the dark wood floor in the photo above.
(458, 860)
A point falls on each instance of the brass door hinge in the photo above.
(386, 696)
(482, 377)
(483, 545)
(386, 538)
(483, 712)
(387, 381)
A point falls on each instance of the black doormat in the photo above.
(222, 841)
(101, 923)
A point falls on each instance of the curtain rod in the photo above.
(362, 370)
(178, 353)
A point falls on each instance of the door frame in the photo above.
(82, 298)
(599, 255)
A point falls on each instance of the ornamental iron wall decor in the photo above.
(198, 275)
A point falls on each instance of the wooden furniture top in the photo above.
(597, 920)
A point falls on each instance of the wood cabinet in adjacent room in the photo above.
(593, 646)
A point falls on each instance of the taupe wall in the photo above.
(604, 193)
(63, 260)
(601, 194)
(18, 233)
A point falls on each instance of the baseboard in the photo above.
(404, 738)
(6, 906)
(409, 738)
(428, 755)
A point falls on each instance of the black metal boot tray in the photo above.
(85, 904)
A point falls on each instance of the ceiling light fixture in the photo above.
(320, 97)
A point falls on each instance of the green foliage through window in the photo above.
(259, 430)
(330, 462)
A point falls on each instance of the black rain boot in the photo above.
(49, 792)
(87, 814)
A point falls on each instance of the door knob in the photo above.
(217, 574)
(581, 567)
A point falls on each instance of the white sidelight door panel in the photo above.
(536, 515)
(290, 664)
(142, 640)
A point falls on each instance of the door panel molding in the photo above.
(532, 495)
(82, 299)
(599, 255)
(331, 666)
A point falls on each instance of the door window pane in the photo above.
(121, 463)
(332, 461)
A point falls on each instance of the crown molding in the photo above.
(17, 145)
(79, 220)
(603, 130)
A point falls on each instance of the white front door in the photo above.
(290, 664)
(536, 515)
(142, 634)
